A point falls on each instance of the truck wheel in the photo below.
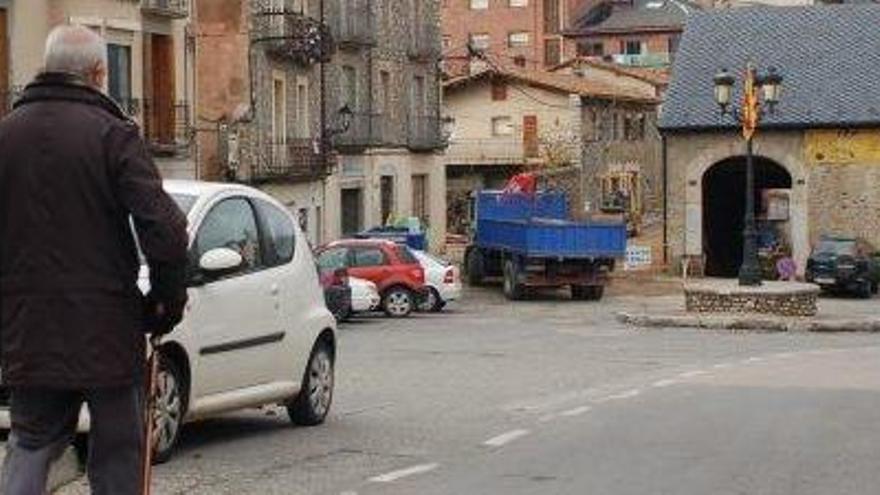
(512, 290)
(596, 292)
(474, 267)
(587, 292)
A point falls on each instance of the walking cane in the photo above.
(149, 412)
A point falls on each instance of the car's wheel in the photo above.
(169, 408)
(866, 289)
(432, 301)
(512, 289)
(398, 302)
(311, 405)
(475, 271)
(875, 287)
(580, 292)
(342, 313)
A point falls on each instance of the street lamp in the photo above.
(749, 116)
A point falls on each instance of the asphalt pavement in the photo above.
(555, 396)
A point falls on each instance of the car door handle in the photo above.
(274, 290)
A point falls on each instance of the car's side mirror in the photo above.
(216, 263)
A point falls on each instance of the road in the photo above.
(553, 396)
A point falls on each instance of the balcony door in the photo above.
(5, 97)
(159, 82)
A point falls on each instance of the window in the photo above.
(518, 3)
(552, 52)
(303, 218)
(385, 90)
(406, 256)
(499, 90)
(502, 126)
(420, 198)
(479, 41)
(366, 257)
(386, 190)
(333, 259)
(479, 4)
(279, 117)
(302, 110)
(518, 39)
(634, 127)
(119, 74)
(418, 96)
(672, 43)
(591, 49)
(349, 87)
(551, 17)
(632, 47)
(279, 238)
(231, 224)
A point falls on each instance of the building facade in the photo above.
(348, 136)
(150, 57)
(572, 130)
(526, 31)
(817, 163)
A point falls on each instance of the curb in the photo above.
(749, 322)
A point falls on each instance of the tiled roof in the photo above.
(657, 77)
(563, 83)
(828, 55)
(652, 14)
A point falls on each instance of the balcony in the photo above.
(370, 130)
(490, 151)
(294, 159)
(167, 126)
(173, 9)
(424, 133)
(292, 37)
(354, 25)
(649, 60)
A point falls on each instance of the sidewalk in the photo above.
(836, 314)
(64, 472)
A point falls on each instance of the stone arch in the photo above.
(781, 150)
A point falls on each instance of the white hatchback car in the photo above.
(256, 330)
(443, 280)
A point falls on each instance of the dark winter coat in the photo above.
(73, 172)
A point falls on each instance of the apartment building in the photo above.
(528, 32)
(150, 69)
(347, 136)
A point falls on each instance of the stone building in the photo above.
(268, 104)
(571, 129)
(150, 63)
(817, 156)
(528, 31)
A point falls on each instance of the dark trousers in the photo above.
(44, 424)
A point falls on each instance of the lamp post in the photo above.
(758, 91)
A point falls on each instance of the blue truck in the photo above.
(531, 241)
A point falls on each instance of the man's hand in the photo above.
(162, 316)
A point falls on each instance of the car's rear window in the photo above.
(838, 247)
(184, 201)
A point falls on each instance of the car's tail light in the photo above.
(450, 276)
(418, 274)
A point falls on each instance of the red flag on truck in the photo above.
(521, 184)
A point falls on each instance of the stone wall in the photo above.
(797, 302)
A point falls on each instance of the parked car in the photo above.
(442, 279)
(337, 292)
(393, 268)
(256, 330)
(845, 264)
(364, 295)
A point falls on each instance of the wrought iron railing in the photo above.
(371, 130)
(177, 9)
(292, 159)
(423, 133)
(423, 43)
(292, 36)
(167, 125)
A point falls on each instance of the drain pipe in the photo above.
(665, 160)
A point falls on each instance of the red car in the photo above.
(392, 267)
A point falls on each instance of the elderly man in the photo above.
(74, 177)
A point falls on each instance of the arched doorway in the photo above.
(724, 208)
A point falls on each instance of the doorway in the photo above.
(159, 120)
(352, 211)
(724, 209)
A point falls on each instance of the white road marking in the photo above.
(403, 473)
(721, 366)
(692, 374)
(505, 438)
(623, 395)
(784, 355)
(577, 411)
(753, 360)
(664, 383)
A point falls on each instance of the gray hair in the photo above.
(74, 50)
